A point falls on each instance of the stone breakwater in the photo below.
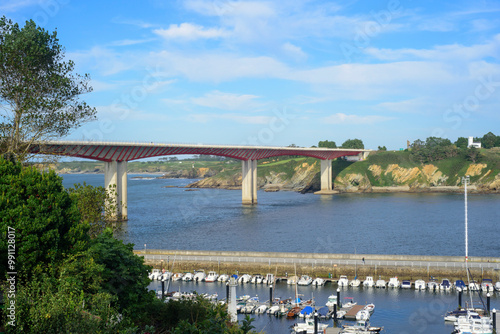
(329, 266)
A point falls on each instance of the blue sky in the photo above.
(277, 73)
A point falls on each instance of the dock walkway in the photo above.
(351, 314)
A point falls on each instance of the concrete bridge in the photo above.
(116, 155)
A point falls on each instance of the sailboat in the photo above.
(470, 322)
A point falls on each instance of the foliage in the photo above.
(96, 206)
(353, 143)
(490, 140)
(382, 148)
(38, 89)
(328, 144)
(462, 142)
(124, 274)
(433, 149)
(472, 154)
(45, 219)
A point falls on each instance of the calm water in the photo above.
(416, 224)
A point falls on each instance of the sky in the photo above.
(276, 73)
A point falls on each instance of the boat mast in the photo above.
(466, 181)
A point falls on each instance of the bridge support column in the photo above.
(115, 183)
(249, 181)
(326, 175)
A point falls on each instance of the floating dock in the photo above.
(351, 314)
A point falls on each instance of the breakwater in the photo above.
(329, 266)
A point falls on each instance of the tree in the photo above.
(462, 142)
(45, 219)
(472, 154)
(353, 143)
(489, 140)
(382, 148)
(327, 143)
(38, 89)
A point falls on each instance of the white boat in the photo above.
(199, 276)
(363, 315)
(349, 303)
(261, 309)
(394, 282)
(474, 286)
(154, 274)
(245, 278)
(361, 327)
(223, 278)
(318, 281)
(380, 284)
(420, 284)
(273, 310)
(177, 277)
(165, 276)
(292, 280)
(432, 285)
(368, 282)
(473, 323)
(269, 279)
(256, 279)
(497, 286)
(188, 277)
(370, 308)
(445, 285)
(355, 282)
(487, 285)
(406, 284)
(343, 281)
(332, 300)
(212, 276)
(308, 327)
(459, 284)
(305, 280)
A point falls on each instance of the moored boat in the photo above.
(343, 281)
(318, 281)
(420, 284)
(445, 285)
(368, 282)
(305, 280)
(212, 276)
(460, 284)
(405, 284)
(380, 284)
(394, 282)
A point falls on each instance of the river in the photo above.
(163, 215)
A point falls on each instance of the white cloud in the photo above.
(226, 101)
(295, 51)
(189, 31)
(13, 6)
(340, 118)
(230, 8)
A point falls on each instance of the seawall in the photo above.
(323, 265)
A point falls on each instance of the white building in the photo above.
(472, 144)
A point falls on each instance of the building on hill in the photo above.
(473, 144)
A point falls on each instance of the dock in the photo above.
(351, 314)
(331, 330)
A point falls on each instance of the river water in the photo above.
(163, 215)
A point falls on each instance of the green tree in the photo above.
(382, 148)
(490, 140)
(353, 143)
(39, 92)
(327, 143)
(45, 219)
(462, 142)
(472, 154)
(96, 206)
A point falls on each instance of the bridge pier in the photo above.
(326, 175)
(249, 181)
(115, 183)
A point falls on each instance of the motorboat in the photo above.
(487, 285)
(212, 276)
(497, 286)
(343, 281)
(305, 280)
(245, 278)
(177, 277)
(248, 308)
(420, 284)
(261, 309)
(257, 279)
(363, 315)
(308, 327)
(474, 286)
(459, 284)
(355, 282)
(380, 284)
(473, 323)
(332, 300)
(324, 312)
(188, 277)
(273, 310)
(306, 312)
(269, 279)
(445, 285)
(406, 284)
(292, 280)
(370, 308)
(223, 278)
(394, 282)
(432, 284)
(199, 275)
(155, 273)
(368, 282)
(318, 281)
(165, 276)
(349, 303)
(361, 327)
